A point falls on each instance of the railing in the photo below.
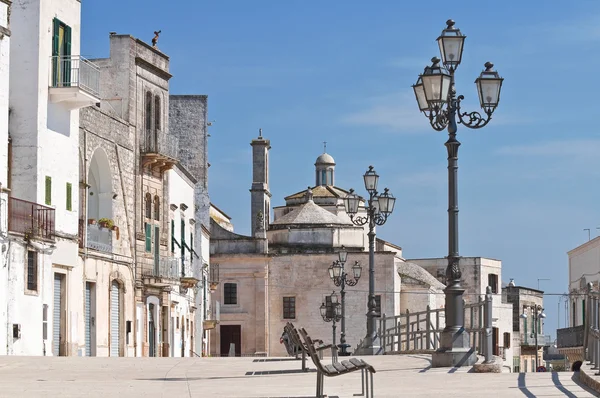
(570, 337)
(529, 340)
(99, 238)
(591, 336)
(75, 71)
(161, 143)
(421, 331)
(31, 219)
(187, 269)
(163, 267)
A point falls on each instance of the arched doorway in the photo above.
(99, 201)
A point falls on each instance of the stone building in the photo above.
(49, 82)
(525, 300)
(147, 272)
(280, 272)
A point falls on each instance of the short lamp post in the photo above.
(436, 97)
(339, 276)
(330, 312)
(379, 208)
(537, 313)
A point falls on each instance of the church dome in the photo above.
(325, 158)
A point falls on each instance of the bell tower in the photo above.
(260, 196)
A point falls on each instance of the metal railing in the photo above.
(99, 238)
(75, 71)
(529, 339)
(163, 267)
(421, 331)
(187, 268)
(570, 337)
(155, 141)
(31, 219)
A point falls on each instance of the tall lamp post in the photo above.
(538, 313)
(379, 207)
(436, 96)
(330, 312)
(339, 276)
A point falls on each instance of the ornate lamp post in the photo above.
(436, 98)
(538, 313)
(339, 276)
(330, 312)
(379, 207)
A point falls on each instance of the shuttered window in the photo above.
(378, 305)
(48, 191)
(32, 271)
(289, 308)
(148, 237)
(69, 196)
(230, 292)
(493, 282)
(172, 236)
(506, 340)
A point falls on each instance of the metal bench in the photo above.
(338, 368)
(292, 333)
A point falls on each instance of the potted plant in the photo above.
(92, 221)
(106, 223)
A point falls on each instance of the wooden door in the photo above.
(231, 334)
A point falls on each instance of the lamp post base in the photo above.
(370, 347)
(455, 350)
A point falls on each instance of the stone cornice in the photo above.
(159, 72)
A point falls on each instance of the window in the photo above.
(172, 236)
(506, 340)
(148, 237)
(289, 308)
(157, 113)
(32, 271)
(378, 305)
(156, 208)
(191, 248)
(48, 193)
(69, 197)
(148, 205)
(328, 307)
(182, 236)
(493, 282)
(495, 338)
(148, 112)
(61, 54)
(230, 291)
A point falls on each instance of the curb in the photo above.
(586, 377)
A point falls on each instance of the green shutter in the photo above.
(48, 190)
(69, 198)
(148, 237)
(525, 329)
(55, 60)
(191, 248)
(67, 63)
(172, 236)
(182, 238)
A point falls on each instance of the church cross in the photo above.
(324, 146)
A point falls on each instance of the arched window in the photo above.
(156, 208)
(148, 204)
(148, 111)
(157, 113)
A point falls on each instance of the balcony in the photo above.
(161, 272)
(188, 280)
(159, 149)
(31, 219)
(74, 81)
(99, 238)
(570, 337)
(529, 340)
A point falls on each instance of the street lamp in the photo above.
(436, 97)
(379, 207)
(330, 312)
(339, 276)
(538, 313)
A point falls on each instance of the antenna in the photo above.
(259, 133)
(324, 146)
(589, 233)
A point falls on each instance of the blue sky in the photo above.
(340, 71)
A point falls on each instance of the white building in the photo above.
(7, 334)
(48, 84)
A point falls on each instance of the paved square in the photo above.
(397, 376)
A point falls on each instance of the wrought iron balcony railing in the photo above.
(99, 238)
(75, 71)
(159, 143)
(31, 219)
(161, 267)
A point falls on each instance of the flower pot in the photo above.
(92, 221)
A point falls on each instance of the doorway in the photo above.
(151, 331)
(58, 321)
(90, 319)
(231, 334)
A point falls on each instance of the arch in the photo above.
(100, 186)
(576, 366)
(153, 324)
(148, 205)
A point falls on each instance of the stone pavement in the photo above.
(397, 376)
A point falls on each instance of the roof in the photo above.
(310, 213)
(325, 158)
(321, 191)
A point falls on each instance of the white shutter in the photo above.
(56, 312)
(88, 315)
(115, 319)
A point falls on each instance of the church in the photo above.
(280, 274)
